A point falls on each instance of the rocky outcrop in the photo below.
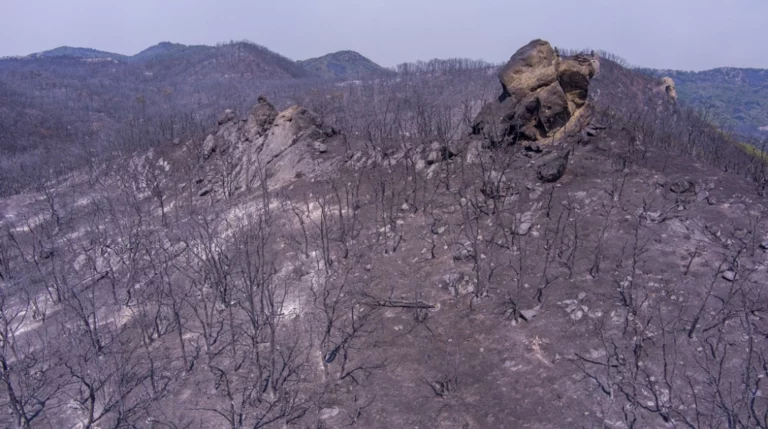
(227, 135)
(668, 85)
(266, 144)
(292, 126)
(541, 94)
(261, 118)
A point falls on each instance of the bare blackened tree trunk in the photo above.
(30, 371)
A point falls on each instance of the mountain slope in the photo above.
(344, 65)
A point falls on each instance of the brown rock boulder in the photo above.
(530, 68)
(541, 94)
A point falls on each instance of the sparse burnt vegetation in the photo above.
(374, 259)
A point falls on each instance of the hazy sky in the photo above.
(682, 34)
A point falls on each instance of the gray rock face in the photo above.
(296, 125)
(228, 135)
(280, 145)
(209, 146)
(552, 170)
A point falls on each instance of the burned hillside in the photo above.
(376, 259)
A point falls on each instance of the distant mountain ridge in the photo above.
(153, 52)
(337, 65)
(75, 52)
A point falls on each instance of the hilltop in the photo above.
(344, 65)
(162, 49)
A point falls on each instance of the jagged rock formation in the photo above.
(266, 145)
(541, 94)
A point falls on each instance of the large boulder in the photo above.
(541, 94)
(530, 68)
(552, 170)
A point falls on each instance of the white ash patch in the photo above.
(164, 165)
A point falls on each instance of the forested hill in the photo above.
(736, 98)
(344, 65)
